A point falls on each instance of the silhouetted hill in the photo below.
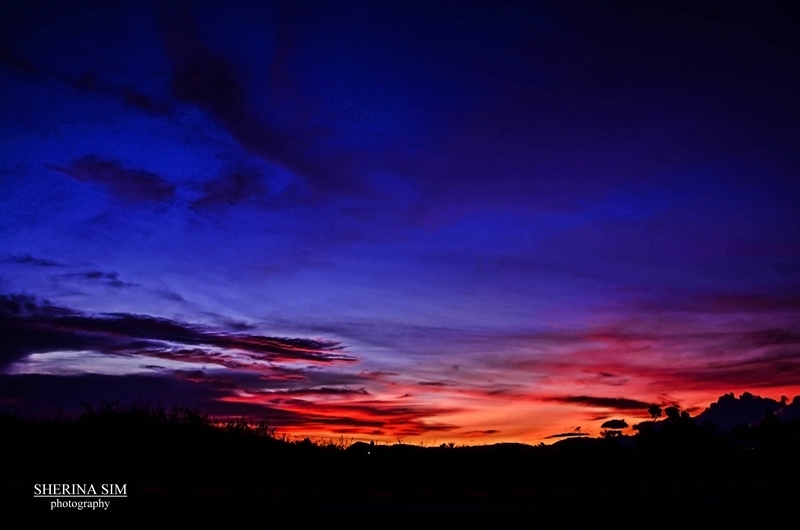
(182, 459)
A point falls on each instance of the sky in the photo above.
(426, 221)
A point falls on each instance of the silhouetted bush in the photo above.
(183, 449)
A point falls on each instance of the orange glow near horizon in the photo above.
(521, 419)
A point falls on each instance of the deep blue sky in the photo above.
(476, 220)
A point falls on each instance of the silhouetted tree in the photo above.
(613, 428)
(654, 411)
(673, 413)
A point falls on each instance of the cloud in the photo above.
(142, 101)
(378, 373)
(170, 295)
(214, 84)
(109, 279)
(27, 259)
(769, 337)
(238, 375)
(30, 325)
(690, 356)
(129, 95)
(323, 391)
(10, 58)
(375, 418)
(231, 189)
(781, 369)
(755, 303)
(358, 416)
(729, 302)
(566, 435)
(486, 432)
(42, 393)
(614, 424)
(86, 81)
(129, 184)
(602, 402)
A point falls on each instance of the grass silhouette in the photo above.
(182, 454)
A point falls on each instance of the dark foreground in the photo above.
(180, 463)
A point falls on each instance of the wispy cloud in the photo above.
(236, 373)
(11, 59)
(602, 402)
(36, 326)
(614, 424)
(485, 432)
(565, 435)
(213, 83)
(109, 279)
(27, 259)
(233, 188)
(129, 184)
(127, 94)
(375, 417)
(322, 391)
(787, 301)
(87, 82)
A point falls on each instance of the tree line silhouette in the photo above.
(181, 453)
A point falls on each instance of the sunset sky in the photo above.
(475, 221)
